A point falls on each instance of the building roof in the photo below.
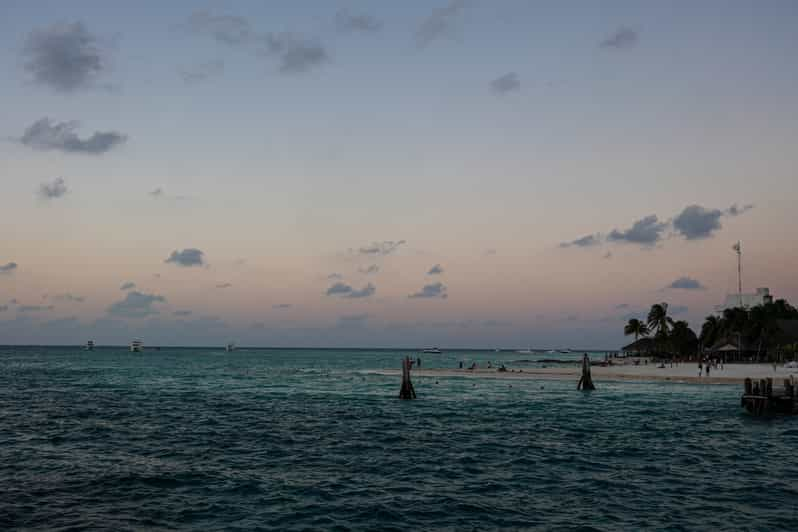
(731, 343)
(642, 345)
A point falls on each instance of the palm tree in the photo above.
(710, 330)
(636, 327)
(658, 319)
(659, 322)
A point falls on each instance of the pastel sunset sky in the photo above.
(464, 174)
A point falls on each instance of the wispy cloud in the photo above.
(44, 134)
(56, 189)
(224, 285)
(201, 72)
(585, 241)
(69, 298)
(64, 57)
(345, 290)
(282, 306)
(346, 22)
(646, 231)
(696, 222)
(136, 305)
(622, 38)
(160, 194)
(296, 54)
(226, 29)
(35, 308)
(434, 290)
(369, 269)
(734, 210)
(386, 247)
(439, 23)
(435, 270)
(686, 283)
(187, 257)
(506, 83)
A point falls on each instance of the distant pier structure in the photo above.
(760, 398)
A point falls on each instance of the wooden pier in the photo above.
(760, 398)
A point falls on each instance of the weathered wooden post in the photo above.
(407, 391)
(585, 381)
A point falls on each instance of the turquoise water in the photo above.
(304, 439)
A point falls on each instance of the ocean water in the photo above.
(308, 439)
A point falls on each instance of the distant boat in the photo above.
(432, 351)
(524, 351)
(230, 347)
(89, 345)
(136, 346)
(565, 350)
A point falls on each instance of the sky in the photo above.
(390, 174)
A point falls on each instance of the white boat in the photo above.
(524, 351)
(136, 346)
(432, 351)
(89, 345)
(230, 347)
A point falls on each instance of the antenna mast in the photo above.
(738, 248)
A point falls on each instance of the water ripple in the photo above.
(297, 440)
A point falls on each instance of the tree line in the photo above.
(752, 330)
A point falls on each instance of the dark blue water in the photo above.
(296, 439)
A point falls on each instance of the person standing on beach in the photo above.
(708, 365)
(700, 368)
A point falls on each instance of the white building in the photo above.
(747, 301)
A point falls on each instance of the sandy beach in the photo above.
(682, 373)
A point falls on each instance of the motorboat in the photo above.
(136, 346)
(432, 351)
(89, 346)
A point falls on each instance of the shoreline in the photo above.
(682, 374)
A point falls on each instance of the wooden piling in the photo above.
(585, 381)
(407, 391)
